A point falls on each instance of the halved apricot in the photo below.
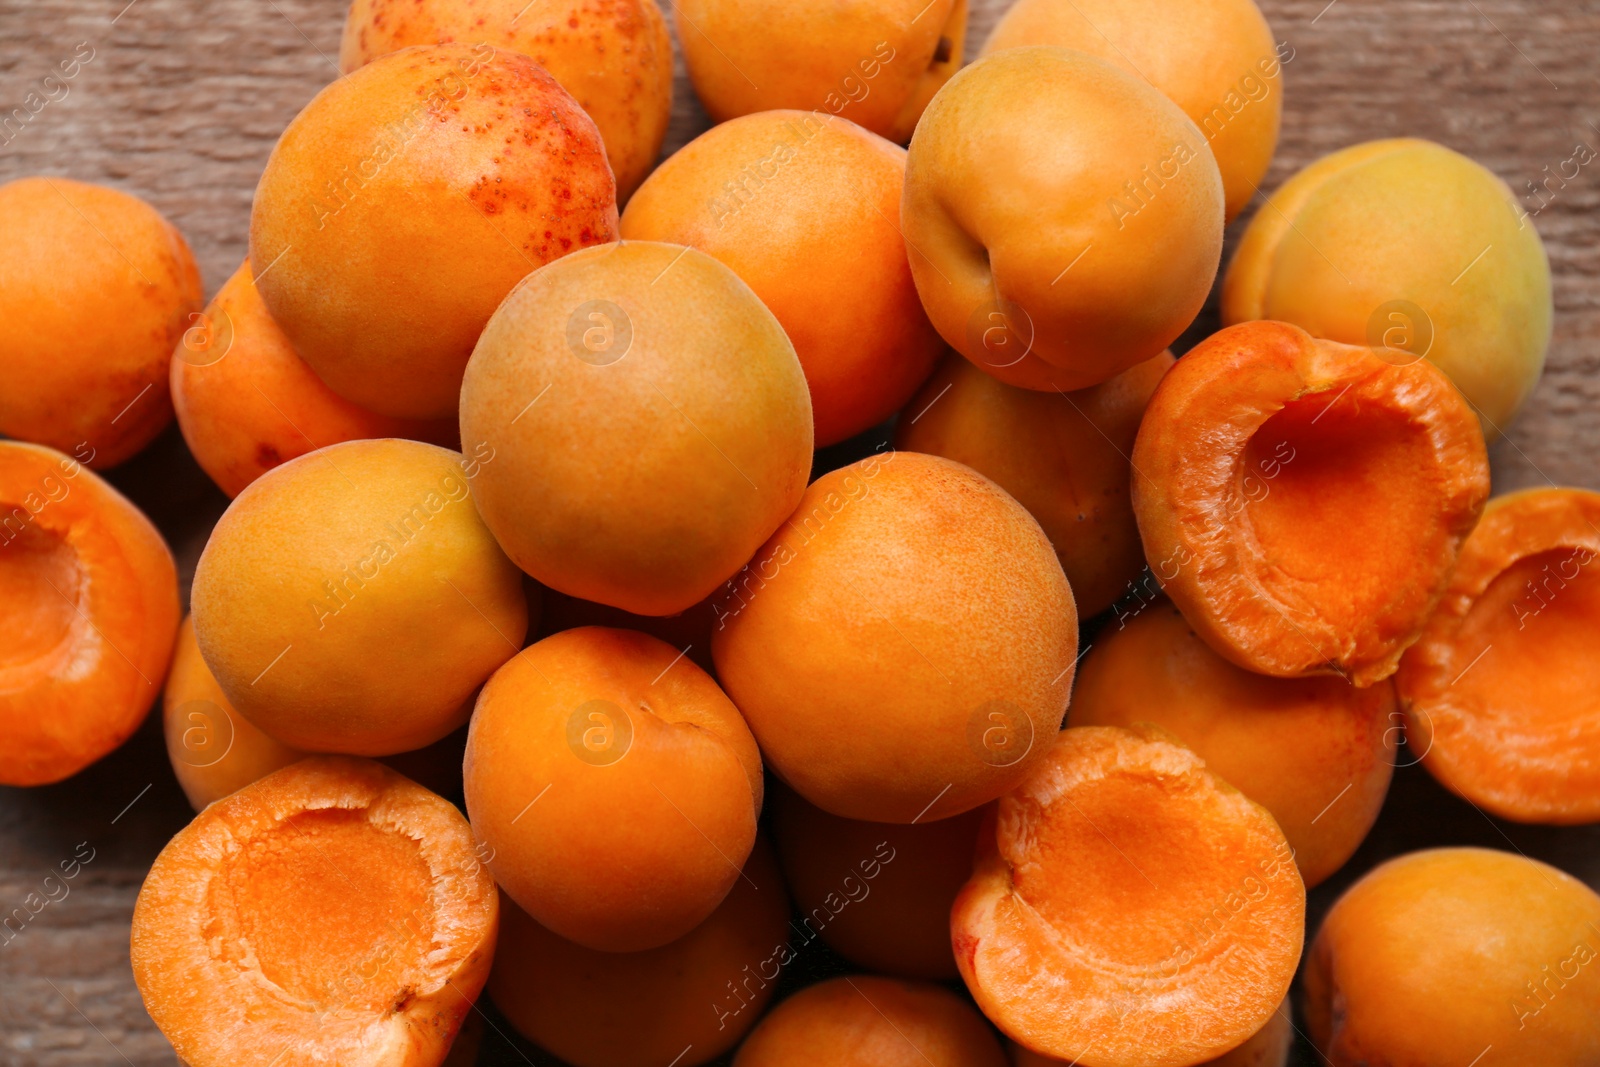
(1269, 1047)
(1302, 501)
(1129, 906)
(332, 912)
(1502, 693)
(616, 785)
(1315, 752)
(684, 1003)
(88, 613)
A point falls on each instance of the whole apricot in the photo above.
(903, 646)
(95, 289)
(649, 422)
(406, 200)
(1442, 956)
(613, 56)
(1064, 456)
(1215, 59)
(1057, 206)
(874, 62)
(1406, 245)
(767, 191)
(352, 599)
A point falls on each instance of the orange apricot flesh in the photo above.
(1129, 906)
(1302, 501)
(1315, 752)
(692, 999)
(1269, 1047)
(1502, 692)
(88, 609)
(333, 911)
(593, 721)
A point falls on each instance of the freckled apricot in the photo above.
(406, 200)
(352, 599)
(1302, 501)
(1268, 1048)
(1128, 906)
(1064, 456)
(903, 645)
(1502, 692)
(246, 402)
(686, 1002)
(88, 614)
(616, 785)
(332, 912)
(1440, 957)
(613, 56)
(95, 289)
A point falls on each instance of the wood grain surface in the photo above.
(181, 103)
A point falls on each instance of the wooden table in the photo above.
(183, 100)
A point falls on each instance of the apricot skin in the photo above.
(1021, 212)
(613, 56)
(1379, 244)
(406, 200)
(765, 192)
(1435, 956)
(95, 289)
(1064, 456)
(247, 402)
(1215, 59)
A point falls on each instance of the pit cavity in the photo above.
(41, 577)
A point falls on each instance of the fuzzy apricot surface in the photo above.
(1502, 692)
(1064, 456)
(874, 62)
(613, 56)
(618, 1009)
(88, 610)
(352, 600)
(649, 421)
(1405, 244)
(406, 200)
(1436, 957)
(616, 785)
(903, 646)
(332, 912)
(765, 192)
(1061, 208)
(1302, 501)
(1123, 846)
(1269, 1047)
(95, 289)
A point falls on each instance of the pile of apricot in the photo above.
(541, 653)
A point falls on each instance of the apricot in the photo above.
(653, 781)
(878, 894)
(352, 600)
(649, 421)
(866, 1021)
(1315, 752)
(406, 200)
(247, 402)
(1215, 59)
(903, 646)
(765, 192)
(95, 289)
(1268, 1048)
(88, 610)
(1064, 456)
(874, 62)
(1407, 245)
(613, 56)
(1500, 692)
(1448, 954)
(1057, 206)
(1129, 906)
(684, 1003)
(332, 912)
(1302, 501)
